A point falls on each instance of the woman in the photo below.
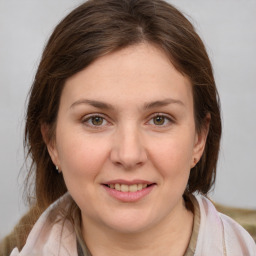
(123, 127)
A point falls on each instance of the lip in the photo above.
(128, 182)
(128, 196)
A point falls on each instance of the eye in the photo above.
(94, 121)
(97, 120)
(160, 120)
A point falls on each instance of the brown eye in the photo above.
(159, 120)
(97, 120)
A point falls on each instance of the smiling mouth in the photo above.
(128, 188)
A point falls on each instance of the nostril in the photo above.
(118, 163)
(128, 153)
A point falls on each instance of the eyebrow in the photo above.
(94, 103)
(107, 106)
(162, 103)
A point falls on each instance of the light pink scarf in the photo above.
(218, 235)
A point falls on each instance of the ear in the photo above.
(49, 141)
(200, 141)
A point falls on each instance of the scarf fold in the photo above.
(218, 234)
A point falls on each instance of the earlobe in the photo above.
(50, 144)
(200, 140)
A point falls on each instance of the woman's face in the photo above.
(126, 139)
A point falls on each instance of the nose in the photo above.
(128, 150)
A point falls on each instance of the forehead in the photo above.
(137, 73)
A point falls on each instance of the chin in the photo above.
(129, 224)
(127, 228)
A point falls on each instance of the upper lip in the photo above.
(128, 182)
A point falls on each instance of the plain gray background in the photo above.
(228, 28)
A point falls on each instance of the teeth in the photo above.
(128, 188)
(140, 186)
(124, 188)
(133, 188)
(117, 187)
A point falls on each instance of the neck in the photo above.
(171, 236)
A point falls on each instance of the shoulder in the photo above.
(51, 234)
(237, 236)
(219, 234)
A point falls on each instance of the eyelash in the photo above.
(87, 120)
(166, 117)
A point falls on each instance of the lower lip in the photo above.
(129, 196)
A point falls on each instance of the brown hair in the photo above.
(94, 29)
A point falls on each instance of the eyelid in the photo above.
(167, 116)
(87, 117)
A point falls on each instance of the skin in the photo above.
(128, 142)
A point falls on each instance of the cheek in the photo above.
(81, 155)
(172, 156)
